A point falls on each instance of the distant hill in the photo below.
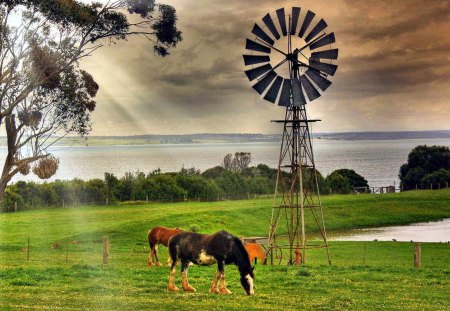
(384, 135)
(237, 138)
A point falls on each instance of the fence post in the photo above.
(106, 201)
(105, 250)
(416, 186)
(146, 198)
(63, 203)
(417, 255)
(15, 206)
(431, 186)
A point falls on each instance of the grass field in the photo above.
(65, 269)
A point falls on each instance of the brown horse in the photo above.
(159, 235)
(255, 251)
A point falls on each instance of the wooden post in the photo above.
(106, 201)
(15, 206)
(416, 186)
(417, 255)
(105, 250)
(28, 250)
(431, 186)
(146, 198)
(63, 203)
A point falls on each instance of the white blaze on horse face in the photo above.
(250, 282)
(205, 259)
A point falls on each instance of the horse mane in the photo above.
(241, 255)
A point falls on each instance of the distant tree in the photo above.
(338, 183)
(438, 179)
(213, 172)
(239, 162)
(423, 161)
(44, 95)
(354, 178)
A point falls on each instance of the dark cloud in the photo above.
(394, 61)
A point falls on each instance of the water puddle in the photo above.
(436, 231)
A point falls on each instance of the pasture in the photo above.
(65, 269)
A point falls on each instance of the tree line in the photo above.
(234, 179)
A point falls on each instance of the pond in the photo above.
(436, 231)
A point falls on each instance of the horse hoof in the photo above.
(225, 291)
(214, 290)
(172, 288)
(158, 264)
(150, 264)
(190, 289)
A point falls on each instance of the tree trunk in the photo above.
(11, 132)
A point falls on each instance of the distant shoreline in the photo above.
(200, 138)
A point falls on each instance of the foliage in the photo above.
(338, 183)
(213, 184)
(238, 162)
(343, 181)
(44, 93)
(422, 162)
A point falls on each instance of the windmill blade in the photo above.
(321, 25)
(320, 81)
(294, 22)
(308, 19)
(262, 84)
(309, 88)
(257, 31)
(274, 90)
(254, 73)
(254, 46)
(327, 68)
(327, 54)
(285, 93)
(269, 23)
(282, 21)
(255, 59)
(297, 93)
(328, 39)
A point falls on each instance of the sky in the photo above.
(393, 74)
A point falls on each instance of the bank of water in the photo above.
(435, 231)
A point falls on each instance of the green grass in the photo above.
(72, 276)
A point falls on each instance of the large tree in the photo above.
(44, 94)
(426, 165)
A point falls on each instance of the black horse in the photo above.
(202, 249)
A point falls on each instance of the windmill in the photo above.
(290, 63)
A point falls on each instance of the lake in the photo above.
(377, 160)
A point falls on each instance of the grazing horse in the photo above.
(202, 249)
(255, 251)
(159, 235)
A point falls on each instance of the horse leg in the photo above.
(150, 254)
(214, 288)
(172, 287)
(184, 279)
(223, 289)
(169, 262)
(156, 256)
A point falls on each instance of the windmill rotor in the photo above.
(308, 55)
